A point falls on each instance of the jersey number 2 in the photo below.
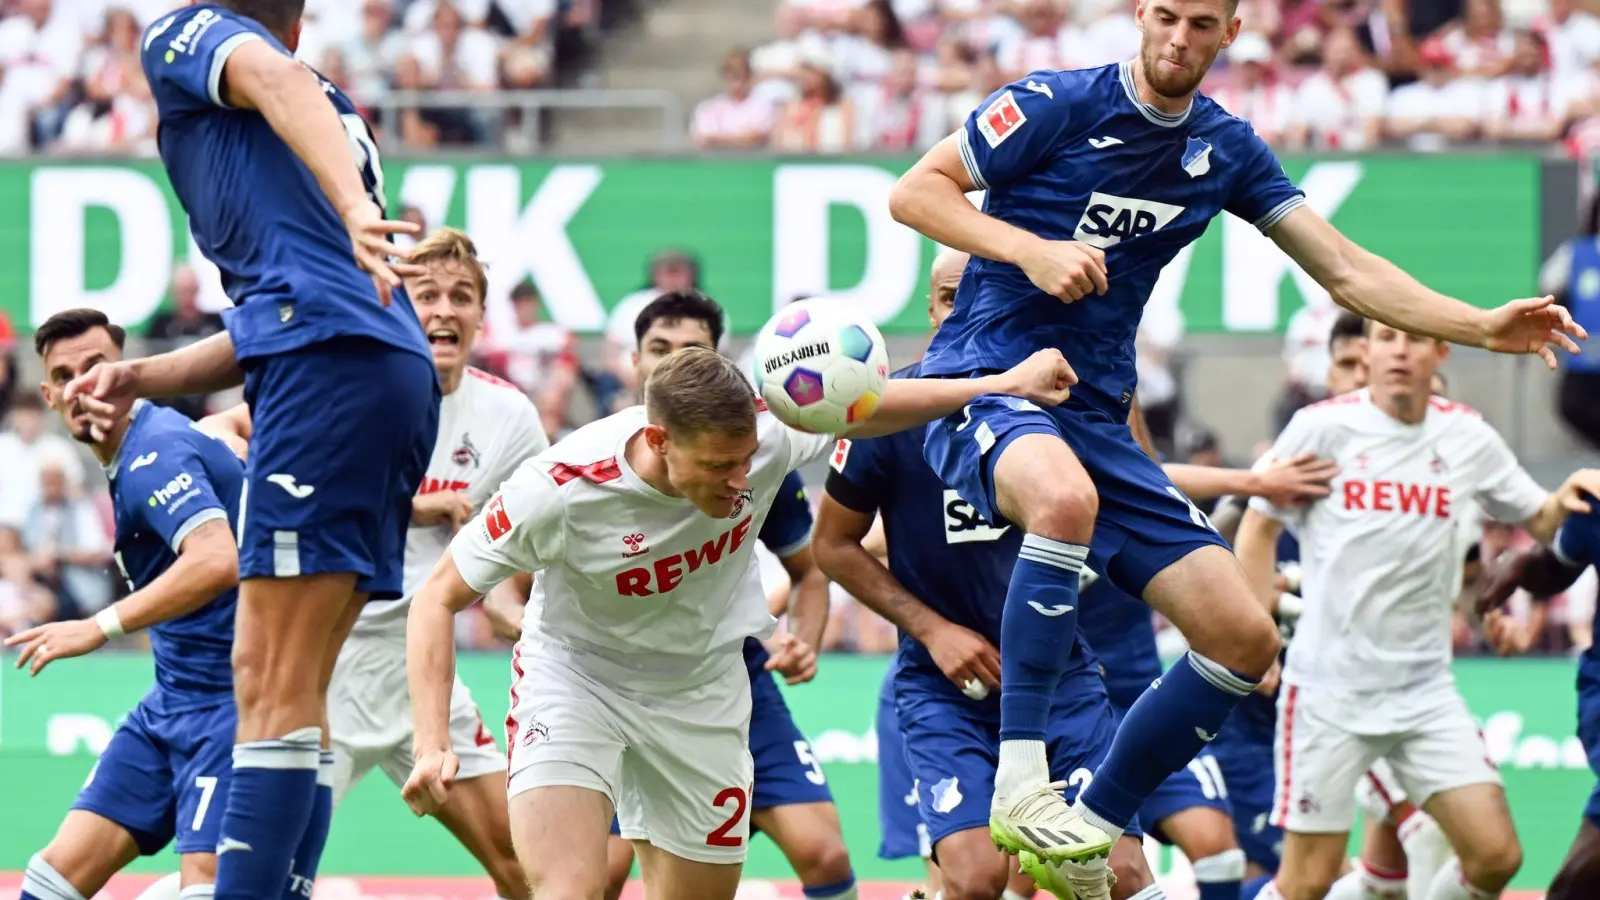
(361, 144)
(721, 837)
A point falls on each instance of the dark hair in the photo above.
(525, 290)
(698, 390)
(74, 322)
(27, 400)
(277, 16)
(1348, 325)
(677, 305)
(894, 33)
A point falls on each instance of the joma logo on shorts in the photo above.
(665, 574)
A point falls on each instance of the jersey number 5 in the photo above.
(366, 151)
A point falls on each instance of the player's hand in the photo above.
(1534, 325)
(370, 239)
(1500, 580)
(1070, 270)
(428, 788)
(964, 655)
(792, 658)
(1579, 490)
(441, 508)
(105, 393)
(1289, 482)
(1507, 635)
(1044, 378)
(56, 640)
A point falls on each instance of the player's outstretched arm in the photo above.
(232, 426)
(931, 198)
(430, 676)
(963, 655)
(1364, 282)
(1257, 547)
(1285, 483)
(290, 97)
(1043, 378)
(108, 389)
(207, 565)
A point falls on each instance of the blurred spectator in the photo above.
(24, 602)
(41, 48)
(821, 119)
(372, 52)
(866, 56)
(1529, 103)
(1573, 36)
(1046, 42)
(530, 56)
(1111, 38)
(117, 112)
(1255, 94)
(899, 114)
(68, 545)
(1306, 358)
(1572, 276)
(734, 119)
(1479, 42)
(26, 448)
(1340, 106)
(1437, 108)
(180, 326)
(670, 270)
(538, 356)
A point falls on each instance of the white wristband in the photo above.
(1289, 608)
(110, 623)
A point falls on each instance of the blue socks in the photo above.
(269, 809)
(1037, 630)
(839, 890)
(41, 881)
(1218, 876)
(303, 874)
(1171, 722)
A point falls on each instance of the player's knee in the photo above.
(823, 860)
(506, 873)
(1492, 867)
(1251, 645)
(1305, 887)
(974, 882)
(1062, 509)
(1132, 872)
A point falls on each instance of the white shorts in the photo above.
(1323, 751)
(675, 762)
(369, 713)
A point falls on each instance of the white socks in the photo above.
(1427, 852)
(1449, 884)
(43, 881)
(1361, 884)
(1023, 768)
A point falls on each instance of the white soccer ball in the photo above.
(821, 367)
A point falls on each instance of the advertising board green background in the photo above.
(106, 234)
(52, 727)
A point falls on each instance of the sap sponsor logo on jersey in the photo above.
(1109, 220)
(963, 524)
(175, 492)
(665, 574)
(189, 37)
(1397, 496)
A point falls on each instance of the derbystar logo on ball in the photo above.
(820, 366)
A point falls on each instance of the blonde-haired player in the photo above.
(487, 427)
(631, 693)
(1368, 675)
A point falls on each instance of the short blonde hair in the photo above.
(696, 390)
(450, 245)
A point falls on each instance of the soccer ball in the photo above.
(820, 367)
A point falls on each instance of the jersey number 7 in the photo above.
(366, 151)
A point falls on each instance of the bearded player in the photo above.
(631, 693)
(283, 188)
(1096, 179)
(1368, 674)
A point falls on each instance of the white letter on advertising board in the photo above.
(63, 254)
(802, 196)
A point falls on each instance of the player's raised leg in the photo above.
(560, 836)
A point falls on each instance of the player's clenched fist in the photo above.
(1070, 270)
(431, 779)
(1044, 378)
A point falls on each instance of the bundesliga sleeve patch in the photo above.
(496, 524)
(841, 452)
(1003, 118)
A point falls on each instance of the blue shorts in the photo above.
(786, 772)
(903, 834)
(1145, 524)
(165, 776)
(343, 432)
(1589, 729)
(1198, 785)
(953, 746)
(1247, 771)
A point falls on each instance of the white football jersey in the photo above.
(487, 427)
(645, 580)
(1381, 556)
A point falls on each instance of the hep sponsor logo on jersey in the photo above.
(664, 575)
(176, 489)
(1109, 220)
(963, 525)
(189, 37)
(1428, 500)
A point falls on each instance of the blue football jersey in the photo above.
(1074, 156)
(254, 208)
(1578, 544)
(788, 526)
(167, 479)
